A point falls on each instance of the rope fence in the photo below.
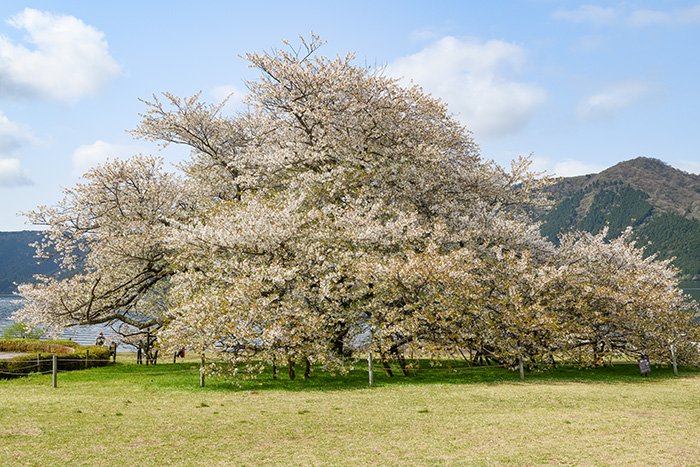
(411, 368)
(38, 367)
(30, 366)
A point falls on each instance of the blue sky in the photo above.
(580, 86)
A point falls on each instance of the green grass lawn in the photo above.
(138, 415)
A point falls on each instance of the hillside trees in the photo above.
(340, 207)
(18, 264)
(675, 236)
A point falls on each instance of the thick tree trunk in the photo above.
(599, 354)
(462, 354)
(480, 359)
(290, 369)
(307, 368)
(402, 361)
(339, 339)
(385, 365)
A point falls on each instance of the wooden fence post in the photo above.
(54, 372)
(148, 347)
(201, 372)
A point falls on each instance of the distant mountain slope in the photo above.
(661, 203)
(17, 262)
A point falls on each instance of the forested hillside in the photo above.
(661, 203)
(17, 262)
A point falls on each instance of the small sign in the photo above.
(644, 366)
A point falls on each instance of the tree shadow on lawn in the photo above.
(186, 376)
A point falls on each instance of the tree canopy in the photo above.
(339, 211)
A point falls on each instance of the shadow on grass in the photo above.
(185, 376)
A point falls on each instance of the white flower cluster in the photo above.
(340, 208)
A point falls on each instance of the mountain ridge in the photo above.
(671, 189)
(660, 202)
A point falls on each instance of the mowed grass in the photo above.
(154, 415)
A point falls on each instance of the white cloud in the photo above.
(12, 135)
(89, 155)
(588, 14)
(67, 59)
(12, 174)
(233, 93)
(613, 99)
(471, 77)
(565, 167)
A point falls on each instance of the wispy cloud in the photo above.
(64, 59)
(12, 175)
(588, 14)
(566, 167)
(597, 15)
(613, 99)
(427, 34)
(233, 95)
(13, 136)
(642, 18)
(589, 44)
(473, 77)
(89, 155)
